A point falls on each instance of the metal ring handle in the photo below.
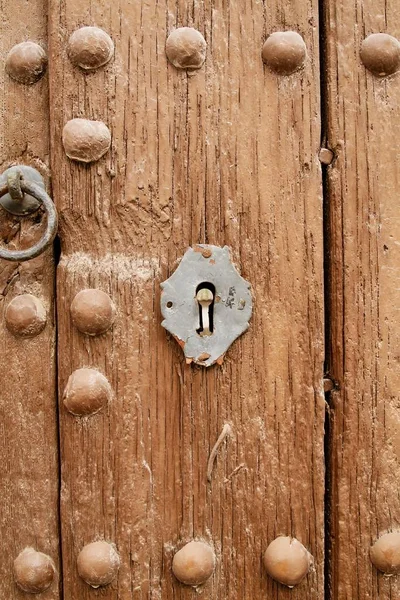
(52, 223)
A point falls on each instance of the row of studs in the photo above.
(284, 52)
(286, 560)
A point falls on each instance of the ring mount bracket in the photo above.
(17, 185)
(13, 202)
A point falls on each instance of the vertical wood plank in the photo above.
(225, 155)
(363, 130)
(28, 409)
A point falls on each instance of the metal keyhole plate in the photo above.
(232, 305)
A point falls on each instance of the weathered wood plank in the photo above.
(363, 129)
(28, 407)
(226, 155)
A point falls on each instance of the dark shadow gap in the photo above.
(56, 259)
(324, 111)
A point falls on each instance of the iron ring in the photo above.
(52, 223)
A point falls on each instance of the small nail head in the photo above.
(33, 571)
(326, 156)
(98, 563)
(206, 253)
(26, 62)
(194, 563)
(90, 48)
(385, 553)
(287, 561)
(87, 392)
(186, 48)
(25, 316)
(92, 311)
(86, 141)
(284, 52)
(380, 54)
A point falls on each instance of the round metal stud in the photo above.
(385, 553)
(86, 141)
(326, 156)
(186, 48)
(380, 54)
(98, 563)
(25, 316)
(33, 571)
(90, 48)
(92, 311)
(194, 563)
(284, 52)
(287, 561)
(87, 392)
(26, 62)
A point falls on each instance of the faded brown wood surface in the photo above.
(364, 129)
(28, 408)
(227, 155)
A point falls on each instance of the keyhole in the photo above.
(205, 296)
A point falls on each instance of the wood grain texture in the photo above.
(363, 129)
(28, 409)
(226, 155)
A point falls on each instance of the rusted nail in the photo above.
(286, 560)
(220, 359)
(98, 563)
(326, 156)
(380, 54)
(385, 553)
(186, 48)
(90, 48)
(194, 563)
(284, 52)
(33, 571)
(25, 316)
(92, 311)
(26, 62)
(86, 392)
(206, 252)
(86, 141)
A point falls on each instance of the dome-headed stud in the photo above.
(90, 48)
(380, 54)
(286, 560)
(33, 571)
(385, 553)
(92, 311)
(26, 62)
(86, 141)
(194, 563)
(25, 316)
(284, 52)
(98, 563)
(87, 392)
(186, 48)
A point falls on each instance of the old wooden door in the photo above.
(286, 153)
